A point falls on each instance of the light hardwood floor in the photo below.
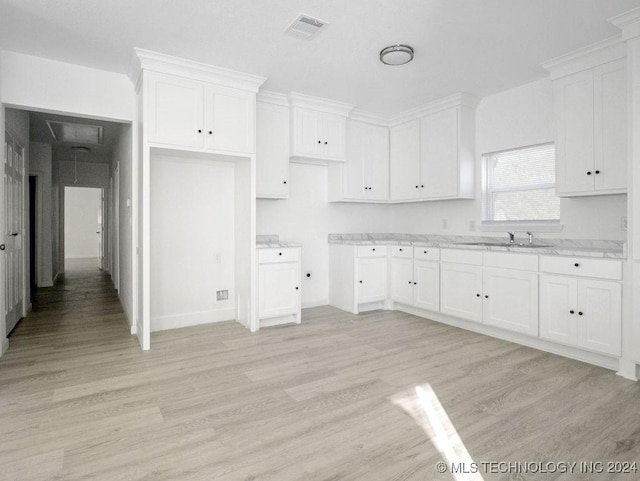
(331, 399)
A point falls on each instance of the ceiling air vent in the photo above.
(305, 27)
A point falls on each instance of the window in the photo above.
(520, 185)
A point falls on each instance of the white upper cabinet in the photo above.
(318, 129)
(192, 106)
(272, 150)
(590, 103)
(364, 176)
(433, 157)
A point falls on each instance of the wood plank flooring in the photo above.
(331, 399)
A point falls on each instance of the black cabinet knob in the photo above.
(477, 295)
(572, 311)
(577, 264)
(199, 131)
(279, 253)
(400, 249)
(360, 282)
(597, 171)
(297, 288)
(422, 186)
(589, 173)
(425, 252)
(326, 143)
(374, 249)
(319, 141)
(211, 132)
(415, 283)
(486, 297)
(417, 187)
(284, 182)
(409, 282)
(579, 313)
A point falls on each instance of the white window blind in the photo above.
(520, 184)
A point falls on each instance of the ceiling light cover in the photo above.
(396, 54)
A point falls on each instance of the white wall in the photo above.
(306, 217)
(514, 118)
(42, 84)
(40, 166)
(192, 241)
(122, 151)
(81, 211)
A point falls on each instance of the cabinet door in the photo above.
(510, 300)
(372, 279)
(306, 133)
(229, 120)
(558, 298)
(460, 291)
(332, 136)
(402, 280)
(377, 163)
(610, 135)
(272, 151)
(353, 174)
(599, 326)
(574, 109)
(439, 169)
(278, 287)
(404, 162)
(426, 291)
(175, 111)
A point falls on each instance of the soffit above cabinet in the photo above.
(158, 62)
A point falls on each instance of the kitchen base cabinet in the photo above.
(460, 291)
(278, 286)
(415, 277)
(358, 277)
(584, 313)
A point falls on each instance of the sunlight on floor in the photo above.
(426, 410)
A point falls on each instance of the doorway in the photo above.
(83, 228)
(33, 239)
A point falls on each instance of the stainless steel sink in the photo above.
(502, 244)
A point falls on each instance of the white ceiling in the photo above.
(475, 46)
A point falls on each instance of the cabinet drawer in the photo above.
(582, 266)
(266, 256)
(461, 256)
(426, 253)
(402, 251)
(372, 251)
(507, 260)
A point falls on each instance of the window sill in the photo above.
(520, 226)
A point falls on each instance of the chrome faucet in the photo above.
(512, 236)
(530, 234)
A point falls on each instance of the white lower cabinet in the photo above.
(372, 279)
(460, 291)
(510, 300)
(415, 281)
(584, 313)
(278, 286)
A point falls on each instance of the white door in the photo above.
(279, 289)
(599, 316)
(573, 98)
(377, 164)
(610, 137)
(353, 183)
(332, 136)
(272, 150)
(229, 120)
(372, 279)
(439, 154)
(306, 139)
(404, 162)
(13, 231)
(558, 309)
(176, 114)
(510, 300)
(461, 290)
(426, 290)
(402, 280)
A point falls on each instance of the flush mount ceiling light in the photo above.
(396, 55)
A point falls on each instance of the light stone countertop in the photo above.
(559, 247)
(273, 242)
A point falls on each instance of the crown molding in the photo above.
(451, 101)
(628, 22)
(607, 50)
(322, 105)
(275, 98)
(369, 117)
(145, 60)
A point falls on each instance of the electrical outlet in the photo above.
(307, 274)
(222, 295)
(623, 223)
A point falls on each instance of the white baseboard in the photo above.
(5, 346)
(134, 329)
(192, 319)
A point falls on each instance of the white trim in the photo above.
(145, 60)
(608, 50)
(369, 117)
(5, 346)
(319, 104)
(192, 319)
(521, 226)
(275, 98)
(628, 22)
(456, 100)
